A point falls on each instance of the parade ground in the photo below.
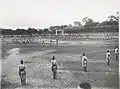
(70, 74)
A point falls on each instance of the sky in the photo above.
(45, 13)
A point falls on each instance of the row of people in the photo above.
(22, 71)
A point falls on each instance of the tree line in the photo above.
(89, 25)
(31, 31)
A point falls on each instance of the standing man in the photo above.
(53, 61)
(57, 42)
(116, 53)
(22, 73)
(108, 57)
(84, 62)
(50, 42)
(43, 43)
(54, 67)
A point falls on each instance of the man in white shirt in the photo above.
(84, 62)
(116, 53)
(108, 57)
(54, 67)
(53, 61)
(22, 73)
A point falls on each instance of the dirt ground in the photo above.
(70, 73)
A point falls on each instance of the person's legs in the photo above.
(54, 75)
(85, 69)
(108, 62)
(54, 70)
(24, 80)
(116, 56)
(21, 79)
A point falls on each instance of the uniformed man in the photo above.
(116, 53)
(84, 62)
(108, 57)
(22, 73)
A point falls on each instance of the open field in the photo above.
(70, 72)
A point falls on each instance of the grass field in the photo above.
(70, 72)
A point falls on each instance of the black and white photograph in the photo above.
(59, 44)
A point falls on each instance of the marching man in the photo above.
(22, 73)
(108, 57)
(54, 67)
(116, 53)
(84, 62)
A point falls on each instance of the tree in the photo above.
(40, 32)
(95, 23)
(31, 31)
(87, 20)
(117, 16)
(46, 31)
(70, 25)
(112, 18)
(6, 31)
(54, 27)
(77, 23)
(63, 26)
(21, 31)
